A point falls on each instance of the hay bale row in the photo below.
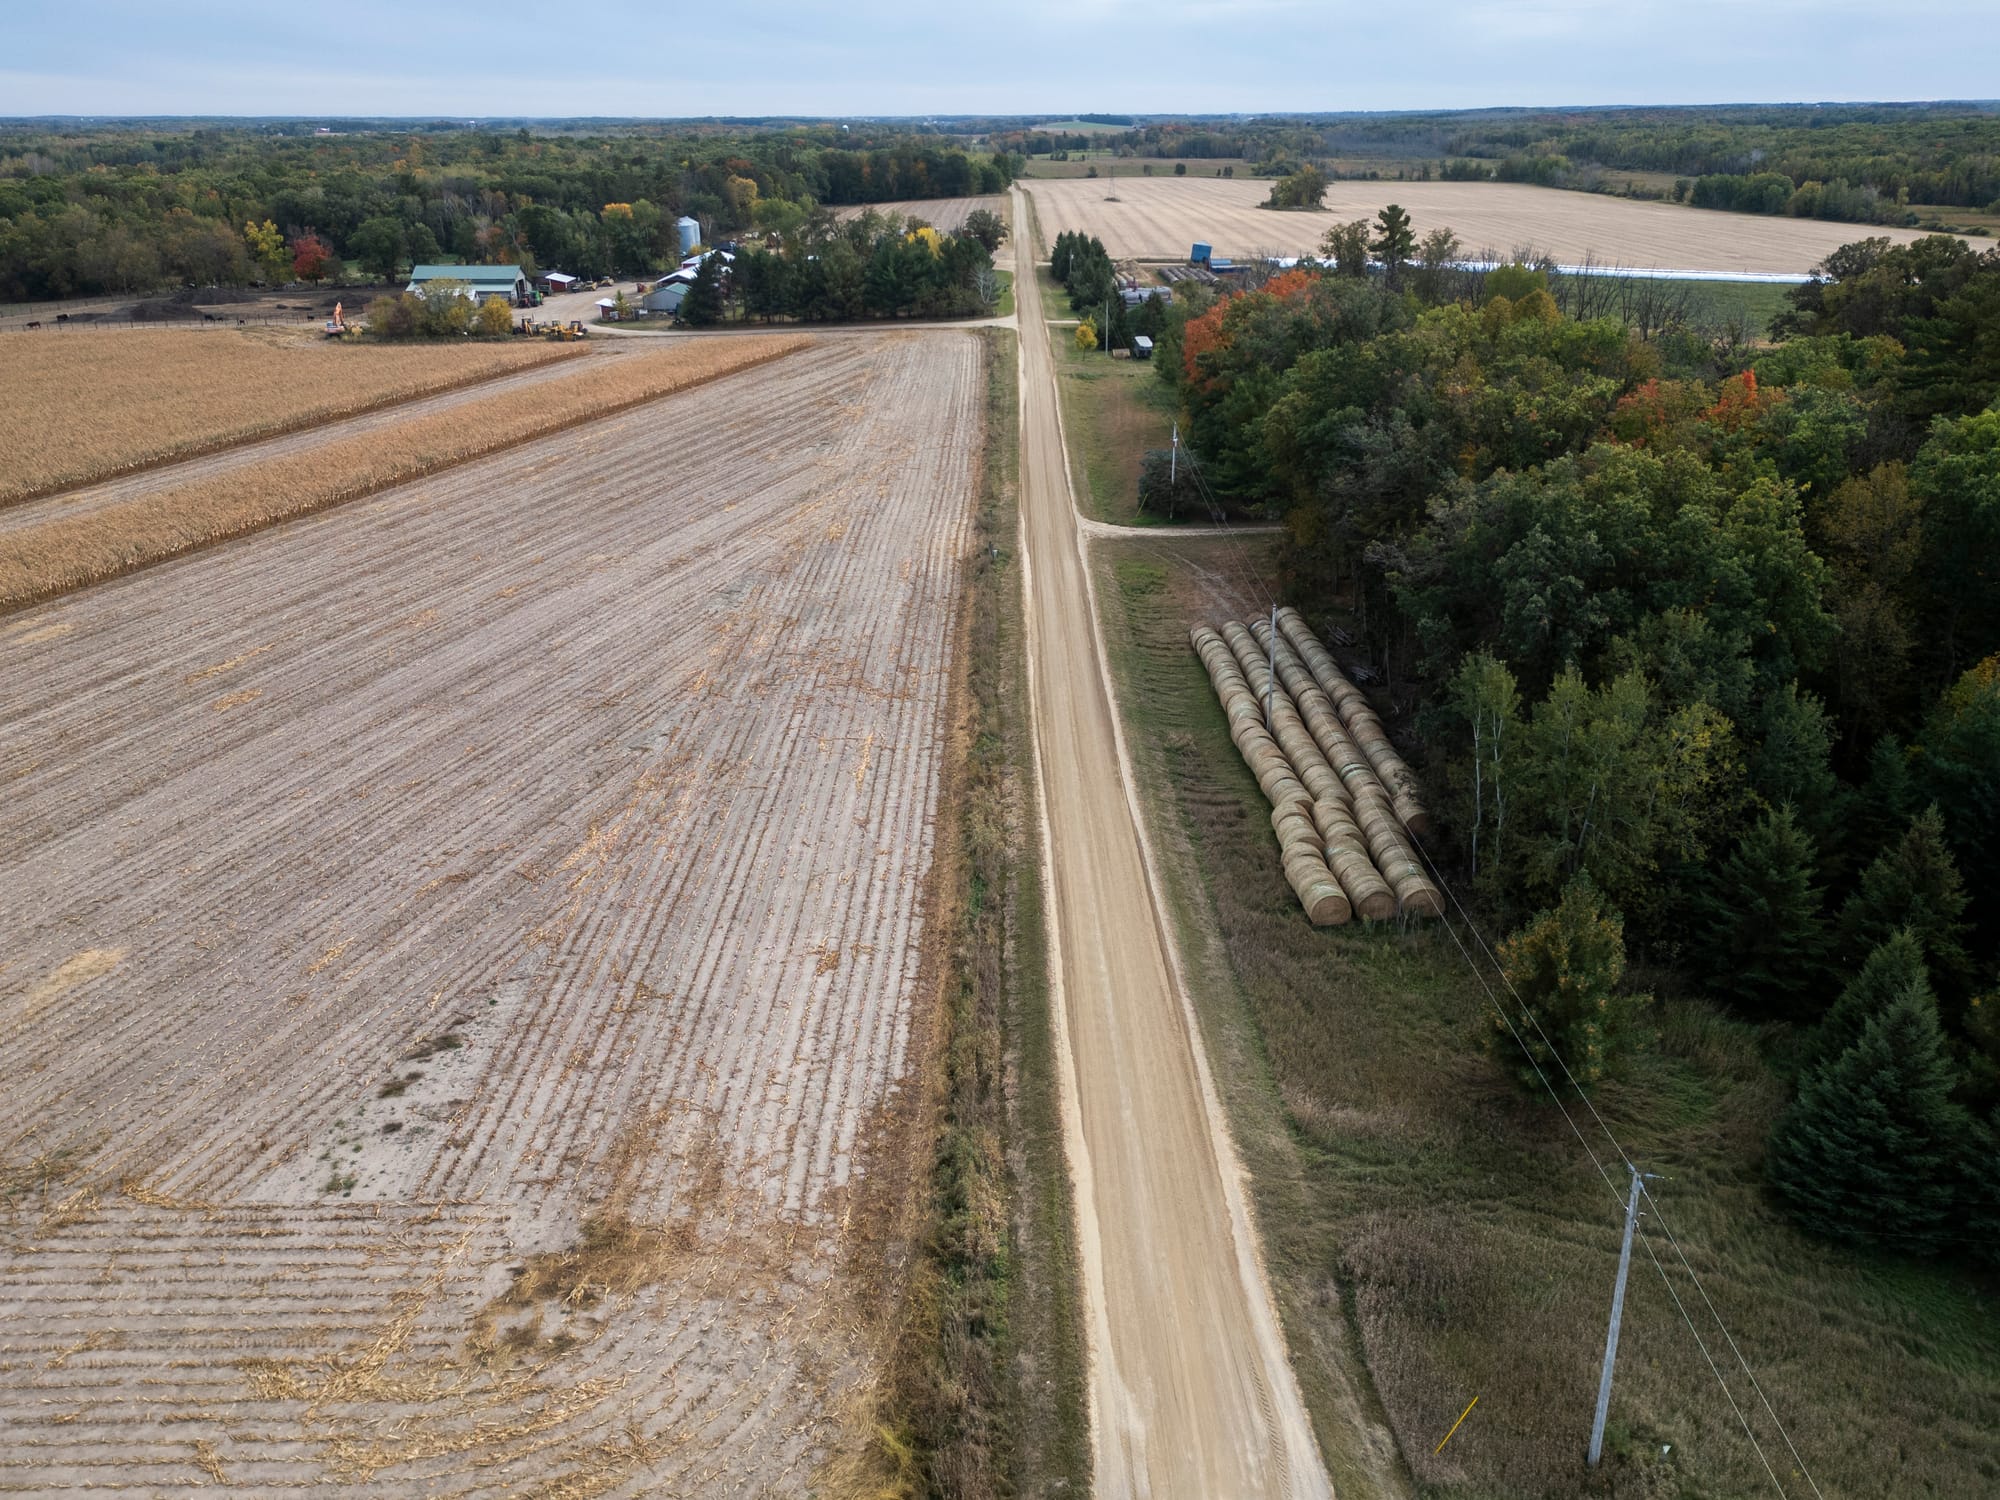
(1286, 725)
(1330, 811)
(1334, 742)
(1299, 845)
(1363, 724)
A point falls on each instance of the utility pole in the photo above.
(1174, 460)
(1617, 1315)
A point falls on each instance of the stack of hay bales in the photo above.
(1361, 720)
(1291, 808)
(1344, 805)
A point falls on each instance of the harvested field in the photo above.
(82, 406)
(464, 960)
(1158, 218)
(65, 541)
(945, 214)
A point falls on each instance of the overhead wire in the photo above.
(1658, 1213)
(1219, 515)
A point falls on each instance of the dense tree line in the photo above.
(130, 209)
(1709, 646)
(869, 266)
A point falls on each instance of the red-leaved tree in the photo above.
(311, 257)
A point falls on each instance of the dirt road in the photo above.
(1190, 1391)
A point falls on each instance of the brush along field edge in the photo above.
(984, 1394)
(72, 551)
(1191, 1392)
(203, 393)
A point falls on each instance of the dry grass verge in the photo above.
(70, 551)
(84, 407)
(985, 1392)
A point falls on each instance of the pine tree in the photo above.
(1915, 884)
(1895, 968)
(1767, 925)
(703, 303)
(1873, 1151)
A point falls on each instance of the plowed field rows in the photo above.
(390, 891)
(1159, 218)
(947, 215)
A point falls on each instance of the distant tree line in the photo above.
(130, 208)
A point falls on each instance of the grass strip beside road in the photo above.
(84, 407)
(985, 1395)
(68, 552)
(1433, 1233)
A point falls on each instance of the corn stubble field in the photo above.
(466, 956)
(73, 537)
(166, 393)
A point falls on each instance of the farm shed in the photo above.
(481, 281)
(556, 282)
(666, 297)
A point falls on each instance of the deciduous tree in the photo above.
(1563, 972)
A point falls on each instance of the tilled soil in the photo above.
(1160, 218)
(392, 891)
(946, 215)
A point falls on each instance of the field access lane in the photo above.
(1191, 1393)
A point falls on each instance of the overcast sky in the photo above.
(506, 57)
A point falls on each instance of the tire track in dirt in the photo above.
(617, 756)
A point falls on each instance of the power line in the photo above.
(1658, 1214)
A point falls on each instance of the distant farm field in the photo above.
(467, 954)
(1158, 218)
(82, 406)
(947, 215)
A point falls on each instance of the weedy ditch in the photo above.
(985, 1393)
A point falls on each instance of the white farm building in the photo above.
(480, 282)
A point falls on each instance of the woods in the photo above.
(131, 207)
(1703, 643)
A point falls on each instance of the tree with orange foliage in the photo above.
(313, 258)
(1739, 403)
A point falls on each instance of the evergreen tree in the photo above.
(1767, 926)
(1915, 885)
(1894, 969)
(1874, 1149)
(703, 303)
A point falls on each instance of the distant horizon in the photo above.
(1028, 118)
(889, 59)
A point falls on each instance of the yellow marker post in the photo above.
(1454, 1426)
